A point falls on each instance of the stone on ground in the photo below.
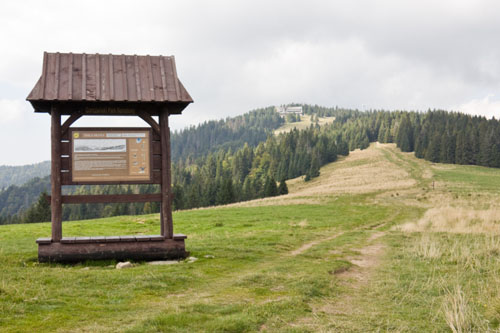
(126, 264)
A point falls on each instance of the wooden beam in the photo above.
(122, 198)
(74, 117)
(166, 202)
(148, 119)
(55, 177)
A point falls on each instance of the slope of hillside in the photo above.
(305, 122)
(360, 248)
(18, 175)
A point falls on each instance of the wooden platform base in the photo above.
(77, 249)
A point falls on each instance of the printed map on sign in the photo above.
(110, 155)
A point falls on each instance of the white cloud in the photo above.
(488, 106)
(12, 110)
(234, 56)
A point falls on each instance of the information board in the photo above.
(110, 155)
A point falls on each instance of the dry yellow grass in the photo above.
(363, 171)
(457, 220)
(305, 122)
(397, 178)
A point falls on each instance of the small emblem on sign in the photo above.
(76, 135)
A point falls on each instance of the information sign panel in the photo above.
(110, 155)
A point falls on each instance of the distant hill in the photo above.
(18, 175)
(240, 158)
(232, 133)
(15, 199)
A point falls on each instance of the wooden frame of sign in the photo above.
(141, 86)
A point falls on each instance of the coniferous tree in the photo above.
(282, 188)
(270, 188)
(40, 212)
(433, 151)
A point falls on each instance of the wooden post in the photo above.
(55, 177)
(167, 229)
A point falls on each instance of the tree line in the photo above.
(204, 176)
(211, 136)
(437, 135)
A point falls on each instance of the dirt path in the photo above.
(307, 246)
(365, 263)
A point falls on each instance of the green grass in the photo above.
(471, 178)
(255, 283)
(251, 281)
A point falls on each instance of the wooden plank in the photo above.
(44, 76)
(163, 79)
(111, 78)
(56, 76)
(155, 179)
(84, 76)
(44, 240)
(118, 78)
(144, 79)
(156, 148)
(62, 92)
(70, 77)
(122, 198)
(56, 202)
(127, 239)
(124, 79)
(157, 79)
(149, 72)
(82, 240)
(179, 236)
(97, 239)
(137, 78)
(130, 78)
(104, 73)
(77, 78)
(157, 162)
(65, 163)
(91, 84)
(176, 79)
(65, 148)
(171, 86)
(97, 76)
(112, 239)
(50, 94)
(142, 238)
(68, 240)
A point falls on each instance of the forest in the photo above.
(238, 159)
(19, 175)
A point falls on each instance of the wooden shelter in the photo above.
(78, 85)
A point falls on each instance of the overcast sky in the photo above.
(234, 56)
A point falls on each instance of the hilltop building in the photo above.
(284, 110)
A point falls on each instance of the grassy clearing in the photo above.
(368, 246)
(251, 277)
(305, 122)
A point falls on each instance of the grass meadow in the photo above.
(380, 241)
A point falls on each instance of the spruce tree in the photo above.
(270, 189)
(314, 169)
(40, 211)
(282, 188)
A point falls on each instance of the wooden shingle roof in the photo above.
(108, 79)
